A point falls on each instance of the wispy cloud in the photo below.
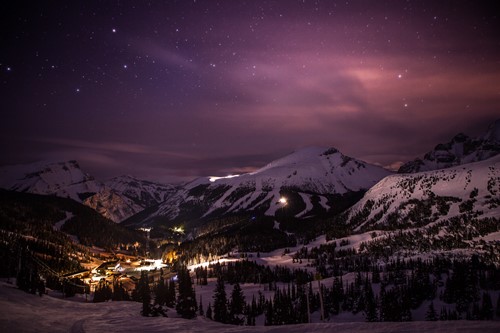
(117, 147)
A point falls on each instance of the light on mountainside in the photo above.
(179, 229)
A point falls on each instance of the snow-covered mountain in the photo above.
(62, 179)
(124, 196)
(111, 205)
(116, 199)
(460, 150)
(310, 176)
(459, 194)
(142, 193)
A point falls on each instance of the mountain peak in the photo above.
(63, 179)
(493, 133)
(311, 175)
(462, 149)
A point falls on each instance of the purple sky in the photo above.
(196, 88)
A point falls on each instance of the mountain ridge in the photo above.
(116, 199)
(311, 175)
(462, 149)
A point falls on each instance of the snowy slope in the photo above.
(142, 193)
(125, 196)
(22, 312)
(116, 199)
(460, 150)
(313, 171)
(111, 205)
(406, 200)
(63, 179)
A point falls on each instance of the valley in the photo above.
(314, 237)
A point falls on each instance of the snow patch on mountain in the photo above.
(310, 171)
(62, 179)
(430, 197)
(116, 199)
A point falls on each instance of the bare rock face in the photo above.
(111, 205)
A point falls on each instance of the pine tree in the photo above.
(237, 305)
(498, 307)
(209, 311)
(220, 302)
(161, 293)
(487, 307)
(269, 320)
(170, 295)
(145, 294)
(119, 293)
(186, 300)
(200, 307)
(431, 314)
(370, 307)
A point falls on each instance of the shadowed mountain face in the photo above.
(460, 150)
(116, 199)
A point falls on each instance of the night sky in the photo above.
(169, 90)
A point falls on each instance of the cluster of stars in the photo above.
(239, 68)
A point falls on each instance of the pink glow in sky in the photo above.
(191, 88)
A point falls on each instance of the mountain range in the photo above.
(116, 199)
(310, 182)
(462, 149)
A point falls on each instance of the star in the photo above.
(125, 66)
(113, 30)
(400, 76)
(9, 69)
(77, 90)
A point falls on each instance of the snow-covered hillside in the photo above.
(124, 196)
(470, 191)
(460, 150)
(112, 205)
(22, 312)
(140, 192)
(312, 173)
(116, 199)
(63, 179)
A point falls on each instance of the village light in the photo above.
(283, 201)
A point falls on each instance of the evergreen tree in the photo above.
(269, 320)
(209, 311)
(102, 292)
(220, 302)
(119, 293)
(144, 293)
(370, 308)
(431, 314)
(170, 295)
(486, 307)
(161, 292)
(498, 307)
(237, 305)
(186, 300)
(200, 307)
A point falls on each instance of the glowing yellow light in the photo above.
(283, 201)
(179, 229)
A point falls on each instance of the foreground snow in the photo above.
(23, 312)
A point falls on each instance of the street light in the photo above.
(283, 201)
